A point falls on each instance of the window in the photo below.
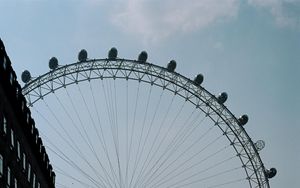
(33, 181)
(38, 185)
(53, 179)
(1, 165)
(18, 150)
(24, 161)
(12, 139)
(8, 177)
(27, 118)
(36, 138)
(15, 183)
(23, 105)
(17, 92)
(4, 63)
(32, 128)
(40, 145)
(4, 124)
(11, 78)
(47, 164)
(29, 173)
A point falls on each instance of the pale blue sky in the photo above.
(248, 48)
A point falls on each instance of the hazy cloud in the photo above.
(286, 12)
(154, 21)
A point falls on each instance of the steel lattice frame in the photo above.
(155, 75)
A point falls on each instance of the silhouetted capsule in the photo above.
(222, 97)
(271, 172)
(171, 66)
(53, 63)
(82, 55)
(243, 120)
(26, 76)
(113, 53)
(198, 79)
(143, 56)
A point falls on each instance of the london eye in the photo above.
(123, 123)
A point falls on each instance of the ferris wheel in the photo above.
(121, 123)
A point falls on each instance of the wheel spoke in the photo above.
(121, 123)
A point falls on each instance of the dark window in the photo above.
(33, 180)
(15, 183)
(23, 105)
(18, 150)
(17, 92)
(12, 138)
(1, 165)
(4, 123)
(4, 63)
(11, 78)
(29, 173)
(27, 118)
(8, 177)
(24, 161)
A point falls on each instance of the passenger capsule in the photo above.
(26, 77)
(271, 172)
(222, 97)
(53, 63)
(198, 79)
(259, 145)
(113, 53)
(243, 120)
(143, 57)
(82, 55)
(171, 66)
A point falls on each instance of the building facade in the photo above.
(23, 158)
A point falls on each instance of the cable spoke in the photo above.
(179, 166)
(128, 124)
(173, 145)
(70, 162)
(110, 111)
(139, 153)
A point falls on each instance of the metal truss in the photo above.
(159, 76)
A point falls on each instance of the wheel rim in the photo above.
(103, 69)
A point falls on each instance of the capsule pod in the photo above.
(26, 76)
(53, 63)
(171, 66)
(198, 79)
(143, 56)
(259, 145)
(271, 172)
(113, 53)
(222, 97)
(243, 120)
(82, 55)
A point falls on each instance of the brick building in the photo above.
(23, 158)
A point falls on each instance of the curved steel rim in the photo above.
(87, 70)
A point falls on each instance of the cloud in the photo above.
(155, 21)
(286, 12)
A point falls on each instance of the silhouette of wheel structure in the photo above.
(123, 123)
